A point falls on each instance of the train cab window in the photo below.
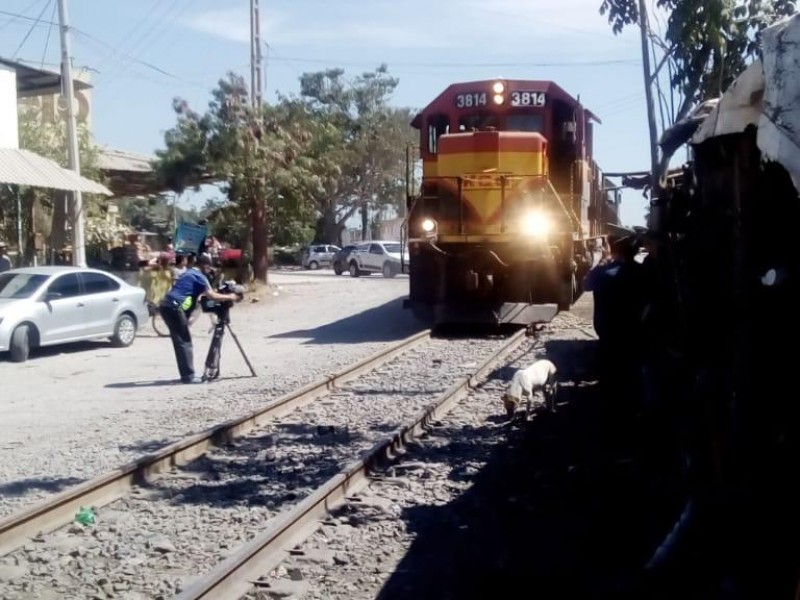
(477, 121)
(525, 123)
(438, 125)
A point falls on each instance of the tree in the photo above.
(335, 148)
(706, 44)
(357, 143)
(247, 150)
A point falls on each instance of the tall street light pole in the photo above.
(68, 93)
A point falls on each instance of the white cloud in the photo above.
(497, 25)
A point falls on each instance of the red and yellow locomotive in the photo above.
(510, 202)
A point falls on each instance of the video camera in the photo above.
(220, 309)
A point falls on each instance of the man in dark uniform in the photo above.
(178, 303)
(619, 289)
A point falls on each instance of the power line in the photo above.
(30, 30)
(17, 16)
(47, 41)
(145, 40)
(129, 35)
(22, 17)
(447, 65)
(132, 58)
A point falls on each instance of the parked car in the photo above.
(341, 259)
(318, 256)
(46, 306)
(378, 256)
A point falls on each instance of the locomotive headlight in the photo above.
(498, 87)
(536, 224)
(499, 98)
(428, 225)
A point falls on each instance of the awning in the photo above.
(23, 167)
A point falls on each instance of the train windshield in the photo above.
(525, 123)
(477, 121)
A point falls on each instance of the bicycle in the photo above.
(160, 327)
(156, 320)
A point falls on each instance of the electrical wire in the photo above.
(151, 14)
(144, 42)
(30, 30)
(47, 40)
(450, 65)
(23, 17)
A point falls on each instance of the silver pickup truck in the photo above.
(378, 257)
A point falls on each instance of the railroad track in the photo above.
(144, 527)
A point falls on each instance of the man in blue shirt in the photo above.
(619, 288)
(180, 301)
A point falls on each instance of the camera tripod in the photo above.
(215, 349)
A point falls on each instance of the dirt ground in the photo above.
(76, 410)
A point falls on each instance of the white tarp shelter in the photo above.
(766, 95)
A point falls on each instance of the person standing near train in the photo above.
(619, 288)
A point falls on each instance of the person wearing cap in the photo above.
(619, 288)
(176, 306)
(5, 261)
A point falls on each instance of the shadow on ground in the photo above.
(263, 470)
(45, 484)
(567, 506)
(385, 323)
(71, 348)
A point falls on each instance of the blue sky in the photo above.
(144, 53)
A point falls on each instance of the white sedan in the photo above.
(45, 306)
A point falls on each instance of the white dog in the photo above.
(539, 377)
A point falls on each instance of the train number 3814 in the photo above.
(528, 98)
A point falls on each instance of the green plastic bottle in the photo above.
(85, 516)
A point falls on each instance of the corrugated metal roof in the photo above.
(111, 159)
(23, 167)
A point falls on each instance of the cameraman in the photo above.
(176, 306)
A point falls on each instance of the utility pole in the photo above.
(255, 54)
(68, 93)
(260, 229)
(644, 26)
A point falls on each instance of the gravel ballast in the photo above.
(151, 543)
(556, 506)
(73, 412)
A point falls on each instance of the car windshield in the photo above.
(392, 248)
(14, 286)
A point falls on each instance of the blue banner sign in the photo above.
(189, 237)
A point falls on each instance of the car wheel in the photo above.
(313, 265)
(124, 331)
(354, 270)
(337, 270)
(20, 346)
(388, 270)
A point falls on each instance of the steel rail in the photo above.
(234, 576)
(18, 528)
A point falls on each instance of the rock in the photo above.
(340, 558)
(11, 573)
(382, 504)
(295, 574)
(164, 546)
(284, 588)
(318, 557)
